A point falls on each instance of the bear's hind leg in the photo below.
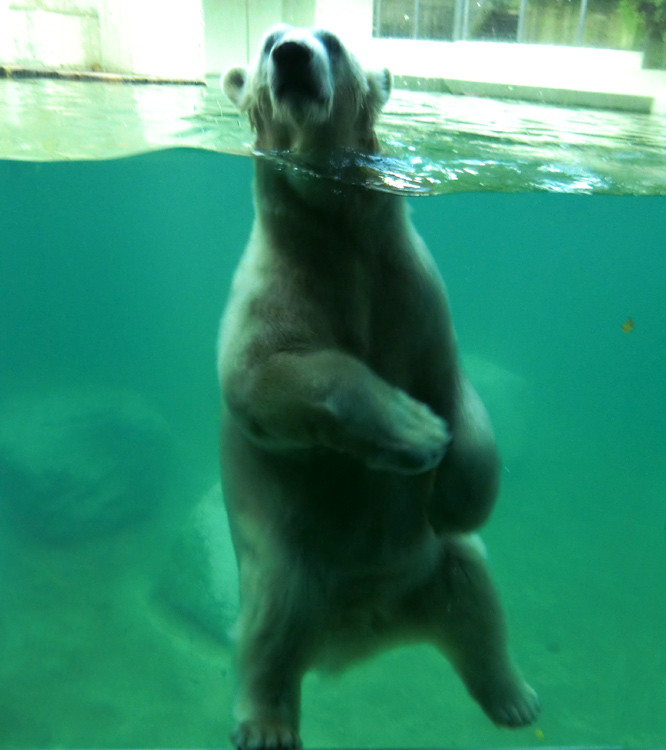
(467, 480)
(469, 628)
(273, 650)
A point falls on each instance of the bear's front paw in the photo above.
(417, 442)
(265, 735)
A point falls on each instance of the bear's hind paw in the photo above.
(258, 735)
(516, 708)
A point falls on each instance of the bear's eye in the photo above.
(331, 42)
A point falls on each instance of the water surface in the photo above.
(431, 143)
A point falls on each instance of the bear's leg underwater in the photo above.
(462, 615)
(456, 608)
(273, 654)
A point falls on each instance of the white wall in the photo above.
(498, 60)
(234, 27)
(37, 34)
(162, 38)
(351, 20)
(226, 34)
(166, 37)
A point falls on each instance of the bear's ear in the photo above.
(233, 85)
(380, 83)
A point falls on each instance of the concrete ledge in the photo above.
(547, 74)
(542, 94)
(91, 76)
(500, 59)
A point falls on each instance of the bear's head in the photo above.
(307, 93)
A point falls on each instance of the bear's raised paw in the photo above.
(418, 441)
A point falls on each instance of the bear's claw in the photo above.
(519, 708)
(256, 735)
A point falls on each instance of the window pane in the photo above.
(436, 19)
(552, 21)
(612, 24)
(396, 19)
(494, 20)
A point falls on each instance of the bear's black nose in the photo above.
(292, 54)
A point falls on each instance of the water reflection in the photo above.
(432, 143)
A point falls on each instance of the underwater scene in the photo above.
(118, 584)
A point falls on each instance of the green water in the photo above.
(112, 278)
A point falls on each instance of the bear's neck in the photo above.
(286, 195)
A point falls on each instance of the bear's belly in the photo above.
(327, 508)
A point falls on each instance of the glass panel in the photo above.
(436, 19)
(396, 19)
(552, 21)
(614, 24)
(540, 171)
(494, 20)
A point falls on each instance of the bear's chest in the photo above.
(354, 295)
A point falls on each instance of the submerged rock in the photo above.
(80, 465)
(200, 581)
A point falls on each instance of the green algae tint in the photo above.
(113, 275)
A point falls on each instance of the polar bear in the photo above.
(357, 460)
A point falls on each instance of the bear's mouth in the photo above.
(299, 100)
(304, 87)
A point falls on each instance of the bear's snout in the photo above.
(293, 70)
(300, 79)
(292, 56)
